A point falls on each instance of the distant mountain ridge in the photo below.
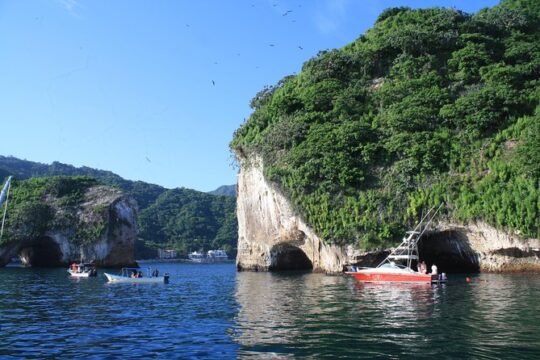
(225, 190)
(180, 210)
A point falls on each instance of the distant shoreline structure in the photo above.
(211, 256)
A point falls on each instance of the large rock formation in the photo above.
(479, 247)
(273, 236)
(101, 228)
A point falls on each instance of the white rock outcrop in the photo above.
(272, 235)
(493, 250)
(269, 230)
(113, 245)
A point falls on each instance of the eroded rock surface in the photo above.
(272, 236)
(102, 231)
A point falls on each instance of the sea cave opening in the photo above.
(450, 250)
(42, 251)
(288, 258)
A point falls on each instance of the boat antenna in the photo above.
(408, 247)
(5, 192)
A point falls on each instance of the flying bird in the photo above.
(271, 45)
(286, 12)
(147, 159)
(213, 83)
(301, 48)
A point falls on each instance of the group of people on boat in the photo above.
(139, 274)
(82, 269)
(76, 268)
(422, 268)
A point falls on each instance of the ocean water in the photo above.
(211, 311)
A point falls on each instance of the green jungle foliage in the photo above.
(37, 204)
(213, 216)
(189, 220)
(429, 106)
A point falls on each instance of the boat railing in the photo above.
(408, 249)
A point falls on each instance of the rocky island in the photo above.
(429, 106)
(53, 221)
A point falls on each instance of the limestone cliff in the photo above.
(479, 247)
(271, 235)
(100, 226)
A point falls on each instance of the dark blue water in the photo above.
(210, 311)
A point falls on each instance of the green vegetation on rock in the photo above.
(39, 204)
(428, 106)
(188, 220)
(183, 219)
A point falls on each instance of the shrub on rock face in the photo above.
(427, 106)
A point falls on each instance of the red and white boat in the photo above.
(398, 266)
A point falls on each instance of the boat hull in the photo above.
(82, 274)
(129, 280)
(377, 276)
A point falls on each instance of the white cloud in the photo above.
(70, 6)
(330, 14)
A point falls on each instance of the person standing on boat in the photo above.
(434, 269)
(422, 267)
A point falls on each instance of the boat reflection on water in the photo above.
(398, 302)
(315, 315)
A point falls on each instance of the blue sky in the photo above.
(153, 90)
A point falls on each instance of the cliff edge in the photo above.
(59, 220)
(271, 235)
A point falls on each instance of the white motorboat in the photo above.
(398, 266)
(82, 270)
(197, 257)
(217, 255)
(135, 276)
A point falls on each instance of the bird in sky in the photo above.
(213, 83)
(147, 159)
(301, 48)
(286, 12)
(271, 45)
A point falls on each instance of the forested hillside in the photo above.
(428, 106)
(182, 218)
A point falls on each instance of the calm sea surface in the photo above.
(210, 311)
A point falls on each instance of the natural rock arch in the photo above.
(109, 243)
(41, 251)
(284, 257)
(450, 250)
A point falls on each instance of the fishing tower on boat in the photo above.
(407, 252)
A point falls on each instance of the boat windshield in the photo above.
(392, 265)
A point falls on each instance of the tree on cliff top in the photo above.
(428, 106)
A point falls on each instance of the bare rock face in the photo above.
(272, 236)
(479, 247)
(102, 230)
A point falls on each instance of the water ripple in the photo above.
(210, 311)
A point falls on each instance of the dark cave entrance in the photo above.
(450, 250)
(288, 257)
(42, 251)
